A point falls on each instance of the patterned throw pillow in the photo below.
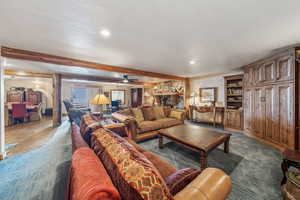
(138, 115)
(148, 113)
(131, 172)
(159, 112)
(175, 114)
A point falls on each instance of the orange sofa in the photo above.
(118, 168)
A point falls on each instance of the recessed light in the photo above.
(105, 33)
(192, 62)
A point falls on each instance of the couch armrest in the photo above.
(211, 184)
(118, 128)
(182, 114)
(77, 140)
(89, 179)
(130, 122)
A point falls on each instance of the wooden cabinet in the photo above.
(269, 71)
(248, 76)
(285, 121)
(270, 122)
(258, 112)
(248, 108)
(269, 99)
(234, 119)
(285, 68)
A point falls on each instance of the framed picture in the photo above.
(118, 95)
(208, 94)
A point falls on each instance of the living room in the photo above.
(149, 100)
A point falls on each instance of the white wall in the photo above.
(211, 81)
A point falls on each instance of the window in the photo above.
(80, 95)
(118, 95)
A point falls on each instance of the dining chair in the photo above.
(36, 114)
(28, 103)
(19, 112)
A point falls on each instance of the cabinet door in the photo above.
(285, 69)
(248, 77)
(248, 109)
(269, 71)
(234, 119)
(271, 132)
(285, 111)
(258, 73)
(259, 111)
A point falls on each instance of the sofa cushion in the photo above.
(89, 179)
(138, 115)
(159, 112)
(87, 126)
(131, 172)
(146, 126)
(175, 114)
(181, 178)
(148, 113)
(168, 122)
(165, 169)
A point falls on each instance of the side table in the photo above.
(290, 158)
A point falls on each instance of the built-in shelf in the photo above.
(240, 101)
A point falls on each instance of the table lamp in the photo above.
(100, 99)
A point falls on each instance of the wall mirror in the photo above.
(208, 94)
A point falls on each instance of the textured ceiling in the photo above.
(157, 35)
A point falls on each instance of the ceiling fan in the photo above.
(126, 79)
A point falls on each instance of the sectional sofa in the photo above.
(145, 122)
(115, 167)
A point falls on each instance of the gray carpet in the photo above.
(254, 167)
(40, 174)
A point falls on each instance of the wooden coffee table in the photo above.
(196, 138)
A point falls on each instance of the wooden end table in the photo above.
(289, 158)
(202, 140)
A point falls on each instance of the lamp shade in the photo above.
(146, 94)
(100, 99)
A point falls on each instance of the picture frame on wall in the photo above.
(208, 94)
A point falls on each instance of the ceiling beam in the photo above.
(101, 79)
(41, 57)
(12, 72)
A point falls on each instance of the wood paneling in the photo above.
(259, 111)
(285, 114)
(56, 100)
(285, 69)
(46, 58)
(270, 113)
(12, 72)
(248, 108)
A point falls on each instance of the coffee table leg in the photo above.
(203, 160)
(226, 146)
(160, 142)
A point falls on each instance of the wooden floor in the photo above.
(29, 136)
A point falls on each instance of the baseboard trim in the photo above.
(271, 144)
